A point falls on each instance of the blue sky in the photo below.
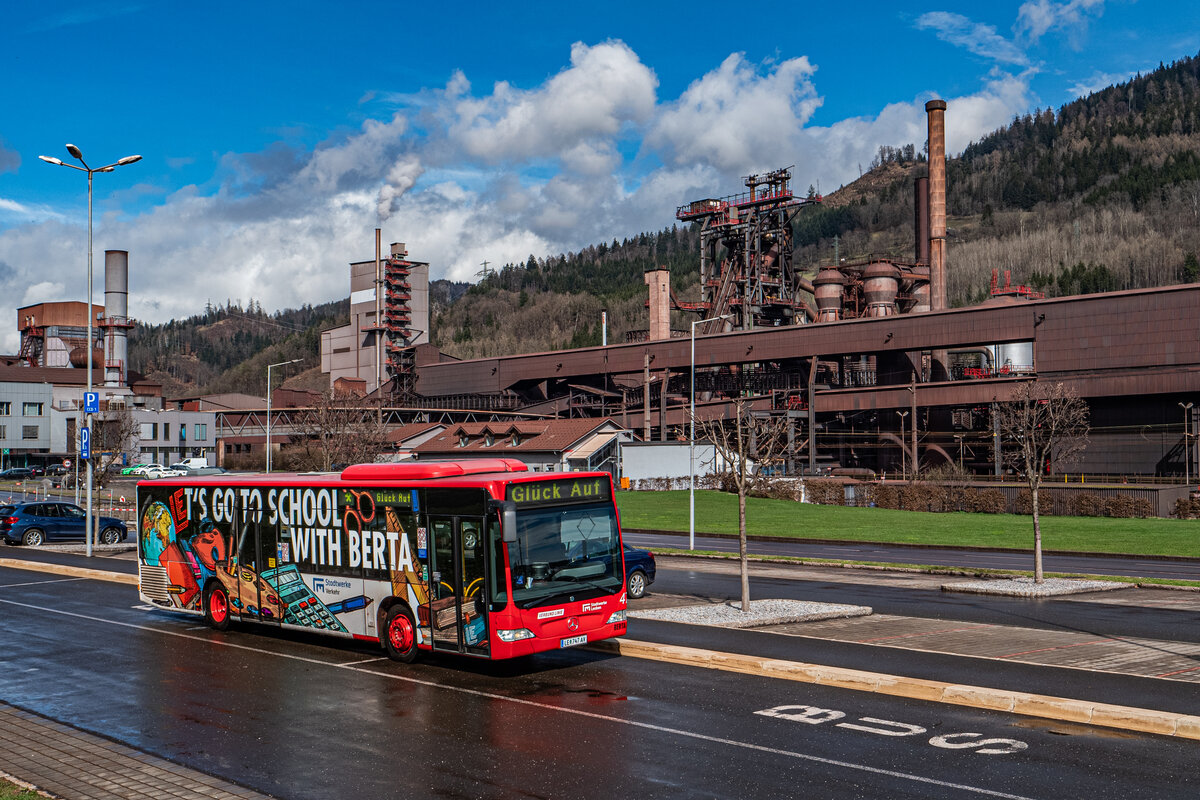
(276, 136)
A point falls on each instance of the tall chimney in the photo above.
(116, 317)
(659, 281)
(936, 109)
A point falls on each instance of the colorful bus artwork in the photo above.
(480, 557)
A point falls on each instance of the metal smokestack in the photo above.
(936, 109)
(116, 317)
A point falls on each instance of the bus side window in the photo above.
(499, 583)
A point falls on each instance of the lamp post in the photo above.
(77, 154)
(903, 458)
(1187, 451)
(269, 368)
(692, 440)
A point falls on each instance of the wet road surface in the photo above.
(306, 717)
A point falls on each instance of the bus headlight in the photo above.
(515, 635)
(617, 616)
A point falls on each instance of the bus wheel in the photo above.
(216, 606)
(400, 634)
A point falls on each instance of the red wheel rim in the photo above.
(218, 607)
(400, 633)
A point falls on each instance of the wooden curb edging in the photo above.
(1164, 723)
(1128, 718)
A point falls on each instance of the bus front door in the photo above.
(458, 596)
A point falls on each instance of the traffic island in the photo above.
(1026, 587)
(761, 613)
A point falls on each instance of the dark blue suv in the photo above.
(639, 571)
(35, 523)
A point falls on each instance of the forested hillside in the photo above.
(1102, 194)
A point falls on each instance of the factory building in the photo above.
(877, 374)
(389, 316)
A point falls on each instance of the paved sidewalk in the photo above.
(75, 765)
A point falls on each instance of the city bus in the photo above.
(481, 558)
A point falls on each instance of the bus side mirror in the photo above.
(508, 517)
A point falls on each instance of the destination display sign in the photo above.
(569, 490)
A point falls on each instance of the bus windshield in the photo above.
(565, 552)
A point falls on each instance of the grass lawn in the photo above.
(10, 791)
(716, 512)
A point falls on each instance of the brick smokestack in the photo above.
(659, 281)
(936, 109)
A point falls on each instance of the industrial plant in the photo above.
(876, 374)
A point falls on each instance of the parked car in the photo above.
(56, 469)
(639, 571)
(156, 471)
(37, 471)
(127, 471)
(197, 471)
(142, 469)
(33, 524)
(16, 474)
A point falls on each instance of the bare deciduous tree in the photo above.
(338, 429)
(747, 444)
(1047, 423)
(114, 434)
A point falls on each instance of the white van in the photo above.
(192, 463)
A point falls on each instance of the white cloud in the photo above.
(1097, 81)
(975, 37)
(1036, 17)
(45, 291)
(605, 87)
(736, 118)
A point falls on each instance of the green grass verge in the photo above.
(716, 512)
(10, 791)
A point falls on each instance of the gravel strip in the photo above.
(1025, 587)
(762, 612)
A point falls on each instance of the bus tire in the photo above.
(400, 634)
(216, 606)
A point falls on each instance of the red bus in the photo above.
(477, 557)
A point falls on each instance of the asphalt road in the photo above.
(1174, 569)
(302, 717)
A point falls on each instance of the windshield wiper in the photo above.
(557, 597)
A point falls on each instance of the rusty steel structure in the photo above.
(398, 334)
(746, 271)
(880, 343)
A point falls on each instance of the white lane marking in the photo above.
(523, 702)
(39, 583)
(883, 727)
(364, 661)
(952, 741)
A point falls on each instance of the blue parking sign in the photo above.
(85, 443)
(91, 403)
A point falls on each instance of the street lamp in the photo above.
(1187, 452)
(692, 440)
(76, 154)
(903, 458)
(269, 368)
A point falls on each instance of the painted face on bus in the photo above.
(210, 547)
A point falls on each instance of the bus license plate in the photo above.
(574, 640)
